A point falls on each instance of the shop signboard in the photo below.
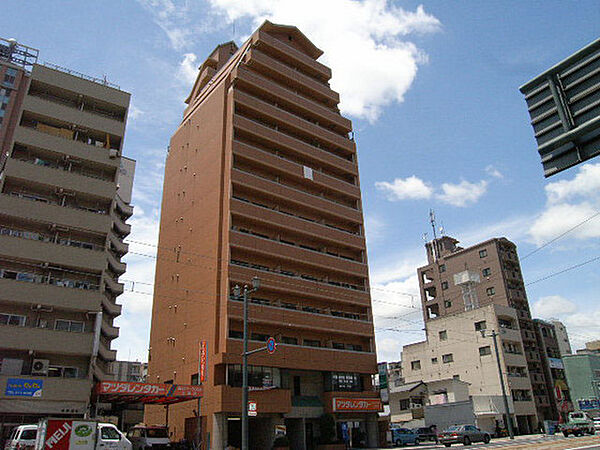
(23, 387)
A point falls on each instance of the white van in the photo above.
(144, 437)
(22, 438)
(75, 434)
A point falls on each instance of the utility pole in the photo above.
(236, 292)
(494, 335)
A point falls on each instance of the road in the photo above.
(542, 442)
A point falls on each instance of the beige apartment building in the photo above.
(261, 180)
(65, 192)
(456, 349)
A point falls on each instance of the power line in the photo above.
(575, 266)
(560, 235)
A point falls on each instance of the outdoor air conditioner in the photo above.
(113, 153)
(40, 367)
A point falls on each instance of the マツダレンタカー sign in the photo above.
(341, 404)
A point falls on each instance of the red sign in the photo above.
(58, 434)
(149, 389)
(202, 368)
(341, 404)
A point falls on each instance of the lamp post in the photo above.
(237, 291)
(494, 335)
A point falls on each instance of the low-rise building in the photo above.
(583, 377)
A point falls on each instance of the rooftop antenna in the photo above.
(434, 243)
(442, 229)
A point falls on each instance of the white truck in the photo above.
(79, 434)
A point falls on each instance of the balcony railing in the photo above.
(32, 277)
(34, 236)
(76, 170)
(43, 199)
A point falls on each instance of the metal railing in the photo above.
(102, 81)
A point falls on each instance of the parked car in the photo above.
(463, 434)
(579, 424)
(144, 437)
(426, 434)
(403, 436)
(597, 424)
(22, 438)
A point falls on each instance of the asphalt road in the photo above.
(542, 442)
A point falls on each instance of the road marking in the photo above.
(586, 446)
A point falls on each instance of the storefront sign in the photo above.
(555, 363)
(149, 389)
(202, 361)
(341, 404)
(23, 387)
(589, 403)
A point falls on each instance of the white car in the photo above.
(144, 437)
(22, 438)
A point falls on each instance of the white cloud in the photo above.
(493, 172)
(569, 204)
(462, 194)
(363, 43)
(375, 228)
(552, 306)
(412, 188)
(188, 68)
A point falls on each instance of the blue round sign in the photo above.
(271, 345)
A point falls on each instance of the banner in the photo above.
(23, 387)
(202, 361)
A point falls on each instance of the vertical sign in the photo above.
(202, 363)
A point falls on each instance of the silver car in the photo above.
(463, 434)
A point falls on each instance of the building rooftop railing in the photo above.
(102, 81)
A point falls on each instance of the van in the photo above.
(22, 438)
(144, 437)
(76, 434)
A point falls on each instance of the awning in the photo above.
(147, 393)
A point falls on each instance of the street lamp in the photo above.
(237, 291)
(494, 335)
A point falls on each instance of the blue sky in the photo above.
(432, 89)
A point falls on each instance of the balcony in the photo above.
(114, 286)
(279, 282)
(301, 358)
(286, 75)
(31, 137)
(115, 265)
(49, 252)
(117, 244)
(46, 212)
(106, 354)
(125, 209)
(68, 114)
(277, 315)
(290, 194)
(44, 340)
(311, 229)
(252, 80)
(109, 330)
(103, 372)
(57, 390)
(267, 247)
(305, 150)
(295, 171)
(110, 307)
(33, 294)
(119, 225)
(299, 125)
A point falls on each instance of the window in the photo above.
(444, 285)
(482, 253)
(442, 268)
(312, 343)
(63, 372)
(484, 351)
(448, 358)
(258, 376)
(481, 325)
(259, 337)
(354, 347)
(490, 291)
(338, 345)
(434, 360)
(448, 304)
(415, 365)
(404, 404)
(486, 272)
(235, 334)
(443, 335)
(194, 379)
(344, 381)
(12, 319)
(109, 433)
(68, 325)
(289, 340)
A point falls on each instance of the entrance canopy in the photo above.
(147, 393)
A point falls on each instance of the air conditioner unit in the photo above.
(40, 367)
(113, 153)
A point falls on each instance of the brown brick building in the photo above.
(261, 180)
(460, 279)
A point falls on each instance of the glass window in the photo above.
(28, 434)
(444, 285)
(404, 404)
(482, 253)
(434, 360)
(69, 372)
(483, 351)
(338, 345)
(12, 319)
(443, 335)
(442, 268)
(448, 304)
(62, 325)
(312, 343)
(289, 340)
(346, 381)
(481, 325)
(109, 433)
(415, 365)
(235, 334)
(76, 327)
(486, 272)
(448, 358)
(490, 291)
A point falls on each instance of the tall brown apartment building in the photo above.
(462, 279)
(261, 180)
(64, 198)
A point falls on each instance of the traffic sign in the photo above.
(252, 408)
(271, 345)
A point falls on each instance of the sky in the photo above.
(432, 90)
